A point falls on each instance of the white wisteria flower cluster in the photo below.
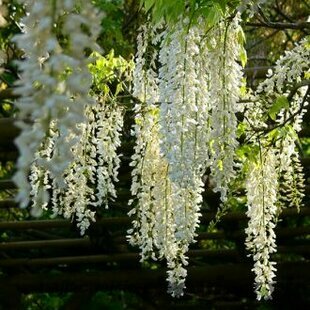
(185, 123)
(225, 85)
(54, 85)
(281, 98)
(261, 188)
(91, 176)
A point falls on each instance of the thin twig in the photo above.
(280, 25)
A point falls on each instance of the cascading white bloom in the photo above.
(106, 136)
(74, 201)
(184, 127)
(185, 122)
(154, 226)
(146, 159)
(173, 140)
(198, 89)
(225, 83)
(278, 92)
(262, 187)
(39, 177)
(290, 69)
(277, 99)
(184, 102)
(292, 188)
(54, 84)
(90, 177)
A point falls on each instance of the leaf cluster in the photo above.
(116, 26)
(110, 74)
(210, 10)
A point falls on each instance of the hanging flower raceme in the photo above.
(54, 85)
(154, 226)
(281, 98)
(91, 176)
(292, 188)
(184, 114)
(40, 177)
(288, 93)
(290, 68)
(147, 162)
(184, 103)
(262, 188)
(174, 141)
(225, 83)
(184, 128)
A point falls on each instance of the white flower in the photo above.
(288, 70)
(177, 141)
(225, 84)
(262, 188)
(54, 85)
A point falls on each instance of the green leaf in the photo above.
(241, 129)
(248, 152)
(243, 88)
(243, 56)
(119, 88)
(280, 103)
(148, 4)
(241, 37)
(274, 134)
(292, 132)
(222, 5)
(307, 75)
(213, 14)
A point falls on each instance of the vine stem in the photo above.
(263, 178)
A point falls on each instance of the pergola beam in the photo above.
(122, 221)
(222, 275)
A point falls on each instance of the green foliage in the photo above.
(109, 300)
(110, 74)
(280, 103)
(46, 301)
(247, 152)
(305, 143)
(112, 35)
(114, 300)
(243, 56)
(241, 129)
(6, 169)
(211, 10)
(170, 10)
